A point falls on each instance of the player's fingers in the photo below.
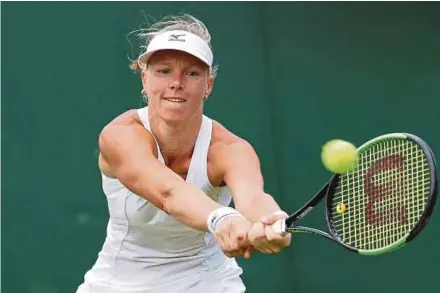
(238, 252)
(248, 253)
(242, 241)
(232, 253)
(276, 241)
(262, 245)
(232, 245)
(257, 238)
(241, 235)
(237, 236)
(229, 250)
(221, 241)
(271, 219)
(222, 235)
(232, 249)
(245, 245)
(256, 233)
(271, 235)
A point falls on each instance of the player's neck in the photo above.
(176, 139)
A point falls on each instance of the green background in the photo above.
(292, 76)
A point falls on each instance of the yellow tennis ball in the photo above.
(340, 208)
(339, 156)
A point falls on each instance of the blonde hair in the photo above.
(184, 22)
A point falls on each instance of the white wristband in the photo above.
(220, 214)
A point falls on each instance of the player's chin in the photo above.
(173, 114)
(179, 112)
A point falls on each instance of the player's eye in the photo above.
(192, 73)
(163, 71)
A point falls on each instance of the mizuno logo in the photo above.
(176, 38)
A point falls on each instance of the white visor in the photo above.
(181, 41)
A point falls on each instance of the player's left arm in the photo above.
(241, 170)
(244, 177)
(242, 174)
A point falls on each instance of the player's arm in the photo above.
(128, 150)
(242, 174)
(240, 165)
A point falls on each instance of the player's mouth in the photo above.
(175, 100)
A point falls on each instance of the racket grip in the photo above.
(280, 227)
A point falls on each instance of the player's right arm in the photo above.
(127, 152)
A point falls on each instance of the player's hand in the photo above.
(231, 234)
(264, 239)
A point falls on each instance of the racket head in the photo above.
(387, 199)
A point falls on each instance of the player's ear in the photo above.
(210, 85)
(144, 77)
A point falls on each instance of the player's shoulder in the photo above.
(224, 139)
(222, 135)
(128, 117)
(126, 123)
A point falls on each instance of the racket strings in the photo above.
(384, 196)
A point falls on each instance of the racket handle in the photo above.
(280, 227)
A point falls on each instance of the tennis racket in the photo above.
(383, 203)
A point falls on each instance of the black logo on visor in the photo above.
(176, 38)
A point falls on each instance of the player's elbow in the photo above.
(147, 183)
(169, 197)
(135, 181)
(173, 197)
(105, 136)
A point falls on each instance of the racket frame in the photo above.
(328, 191)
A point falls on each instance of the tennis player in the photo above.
(169, 173)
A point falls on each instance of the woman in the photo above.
(169, 173)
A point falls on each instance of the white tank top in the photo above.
(145, 247)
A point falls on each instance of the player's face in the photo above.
(176, 83)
